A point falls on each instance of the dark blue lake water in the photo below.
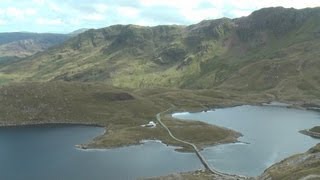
(48, 152)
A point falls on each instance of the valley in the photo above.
(122, 76)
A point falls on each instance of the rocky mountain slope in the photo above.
(273, 50)
(20, 44)
(271, 54)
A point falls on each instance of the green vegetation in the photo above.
(313, 132)
(121, 76)
(273, 51)
(122, 112)
(196, 175)
(199, 133)
(315, 129)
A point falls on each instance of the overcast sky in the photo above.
(64, 16)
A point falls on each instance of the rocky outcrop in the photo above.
(301, 166)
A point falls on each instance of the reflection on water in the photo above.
(272, 133)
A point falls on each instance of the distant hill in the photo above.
(272, 54)
(78, 31)
(273, 50)
(20, 44)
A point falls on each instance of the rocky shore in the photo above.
(311, 133)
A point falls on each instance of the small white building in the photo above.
(151, 124)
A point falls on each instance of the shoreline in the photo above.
(295, 105)
(280, 104)
(90, 146)
(82, 147)
(4, 125)
(310, 133)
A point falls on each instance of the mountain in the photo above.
(20, 44)
(133, 72)
(78, 31)
(273, 50)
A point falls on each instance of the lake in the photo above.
(48, 152)
(271, 133)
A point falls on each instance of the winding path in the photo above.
(202, 159)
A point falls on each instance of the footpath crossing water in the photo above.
(200, 156)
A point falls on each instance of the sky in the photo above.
(64, 16)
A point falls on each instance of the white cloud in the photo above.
(38, 1)
(30, 11)
(94, 17)
(143, 22)
(240, 13)
(258, 4)
(46, 21)
(98, 13)
(220, 4)
(171, 3)
(56, 8)
(13, 12)
(3, 22)
(100, 8)
(129, 12)
(219, 8)
(198, 15)
(189, 9)
(75, 21)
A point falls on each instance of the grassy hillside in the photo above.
(121, 76)
(274, 50)
(121, 111)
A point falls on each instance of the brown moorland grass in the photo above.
(120, 111)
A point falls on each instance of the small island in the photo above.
(313, 132)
